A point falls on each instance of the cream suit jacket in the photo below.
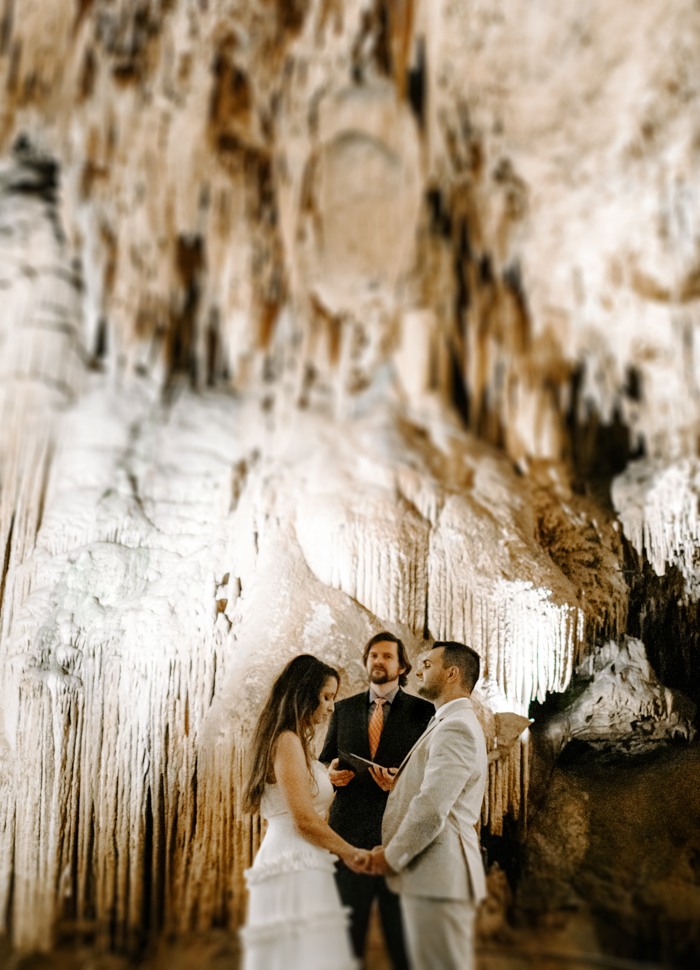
(428, 828)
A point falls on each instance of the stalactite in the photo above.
(134, 678)
(209, 110)
(110, 689)
(658, 508)
(507, 789)
(668, 623)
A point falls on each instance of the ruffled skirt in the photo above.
(295, 917)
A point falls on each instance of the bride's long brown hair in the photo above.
(293, 701)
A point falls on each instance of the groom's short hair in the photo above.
(460, 655)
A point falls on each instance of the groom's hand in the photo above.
(359, 861)
(384, 777)
(379, 865)
(339, 778)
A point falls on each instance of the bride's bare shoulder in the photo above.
(287, 743)
(288, 756)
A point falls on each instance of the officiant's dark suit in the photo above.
(358, 807)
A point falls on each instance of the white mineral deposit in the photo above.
(326, 317)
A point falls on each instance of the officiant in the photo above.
(380, 725)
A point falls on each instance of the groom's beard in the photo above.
(430, 693)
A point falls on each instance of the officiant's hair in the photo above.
(460, 655)
(400, 653)
(291, 705)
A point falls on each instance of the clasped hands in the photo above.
(369, 863)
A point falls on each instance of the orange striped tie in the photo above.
(376, 723)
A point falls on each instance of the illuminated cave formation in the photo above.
(319, 317)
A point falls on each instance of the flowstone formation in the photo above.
(618, 700)
(320, 318)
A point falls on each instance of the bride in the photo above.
(295, 919)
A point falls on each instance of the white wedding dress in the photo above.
(295, 917)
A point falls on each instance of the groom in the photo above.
(431, 851)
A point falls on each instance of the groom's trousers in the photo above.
(439, 933)
(358, 892)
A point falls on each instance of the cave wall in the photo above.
(612, 858)
(321, 316)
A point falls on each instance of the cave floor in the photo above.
(218, 951)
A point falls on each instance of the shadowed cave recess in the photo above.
(323, 317)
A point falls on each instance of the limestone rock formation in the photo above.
(320, 317)
(618, 700)
(615, 702)
(625, 701)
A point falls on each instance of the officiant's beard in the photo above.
(380, 676)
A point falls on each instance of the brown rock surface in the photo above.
(616, 844)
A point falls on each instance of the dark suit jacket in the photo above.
(357, 809)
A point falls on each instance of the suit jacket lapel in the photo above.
(431, 728)
(420, 740)
(358, 726)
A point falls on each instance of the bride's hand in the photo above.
(359, 860)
